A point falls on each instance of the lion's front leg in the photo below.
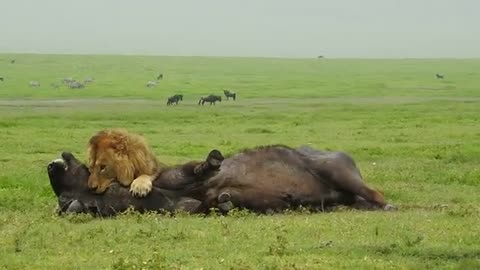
(141, 185)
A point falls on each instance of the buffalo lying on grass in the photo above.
(275, 178)
(264, 179)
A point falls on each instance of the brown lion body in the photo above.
(115, 154)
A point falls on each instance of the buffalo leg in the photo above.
(322, 203)
(224, 202)
(352, 183)
(213, 162)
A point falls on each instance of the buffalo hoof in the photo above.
(390, 207)
(75, 207)
(213, 163)
(224, 197)
(225, 207)
(215, 159)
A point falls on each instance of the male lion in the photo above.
(115, 154)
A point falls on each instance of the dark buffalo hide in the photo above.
(68, 178)
(264, 179)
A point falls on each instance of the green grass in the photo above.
(414, 137)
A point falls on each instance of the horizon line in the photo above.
(323, 57)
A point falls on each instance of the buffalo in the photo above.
(265, 179)
(275, 178)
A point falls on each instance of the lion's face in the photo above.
(118, 155)
(102, 170)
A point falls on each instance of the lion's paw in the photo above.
(141, 186)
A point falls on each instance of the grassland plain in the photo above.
(414, 137)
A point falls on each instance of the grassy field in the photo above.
(414, 137)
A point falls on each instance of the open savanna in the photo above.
(414, 137)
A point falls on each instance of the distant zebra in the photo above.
(151, 84)
(34, 84)
(174, 99)
(88, 80)
(211, 98)
(439, 76)
(230, 94)
(76, 85)
(55, 85)
(68, 80)
(160, 76)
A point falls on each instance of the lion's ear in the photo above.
(119, 144)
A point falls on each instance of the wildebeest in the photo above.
(34, 84)
(174, 99)
(439, 76)
(68, 178)
(264, 179)
(210, 98)
(229, 94)
(160, 76)
(151, 84)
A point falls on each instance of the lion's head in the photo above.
(115, 154)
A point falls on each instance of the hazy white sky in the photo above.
(285, 28)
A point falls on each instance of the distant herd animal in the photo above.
(151, 84)
(174, 99)
(68, 82)
(210, 98)
(229, 94)
(34, 84)
(74, 84)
